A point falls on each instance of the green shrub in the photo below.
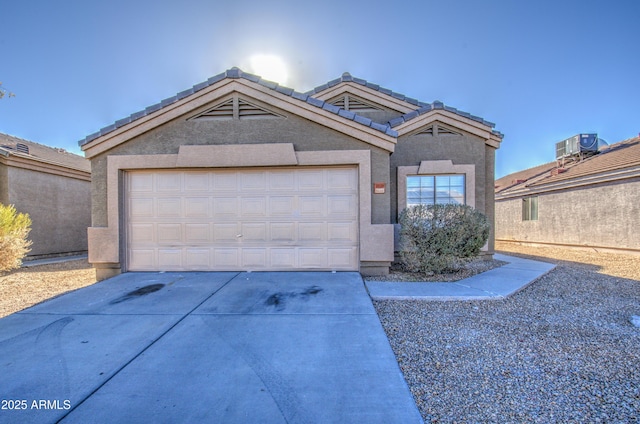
(14, 229)
(440, 238)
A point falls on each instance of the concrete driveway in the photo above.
(297, 347)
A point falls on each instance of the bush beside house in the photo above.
(14, 230)
(440, 238)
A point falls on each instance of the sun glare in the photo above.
(269, 67)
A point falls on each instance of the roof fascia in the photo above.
(365, 93)
(453, 120)
(587, 180)
(18, 160)
(224, 88)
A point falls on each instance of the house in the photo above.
(239, 173)
(592, 203)
(54, 187)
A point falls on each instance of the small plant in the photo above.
(14, 245)
(440, 238)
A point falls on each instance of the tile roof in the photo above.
(421, 107)
(615, 157)
(625, 154)
(521, 177)
(9, 144)
(236, 73)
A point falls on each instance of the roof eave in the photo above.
(296, 103)
(455, 120)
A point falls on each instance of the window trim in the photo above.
(530, 207)
(435, 178)
(436, 167)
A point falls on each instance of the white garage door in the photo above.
(243, 219)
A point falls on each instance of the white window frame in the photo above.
(437, 167)
(530, 207)
(436, 195)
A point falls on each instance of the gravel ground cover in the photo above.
(473, 267)
(561, 350)
(25, 287)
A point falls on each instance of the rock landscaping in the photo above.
(561, 350)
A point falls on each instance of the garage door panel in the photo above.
(169, 207)
(311, 206)
(253, 181)
(284, 219)
(254, 258)
(141, 183)
(169, 233)
(282, 205)
(198, 258)
(312, 257)
(283, 231)
(225, 207)
(341, 258)
(282, 181)
(196, 207)
(283, 258)
(254, 207)
(225, 182)
(142, 233)
(169, 182)
(341, 180)
(197, 181)
(311, 231)
(226, 258)
(170, 258)
(142, 259)
(254, 231)
(141, 207)
(197, 233)
(341, 231)
(226, 232)
(341, 206)
(311, 180)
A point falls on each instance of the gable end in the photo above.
(354, 104)
(235, 108)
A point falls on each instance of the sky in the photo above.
(541, 70)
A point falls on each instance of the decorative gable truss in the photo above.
(436, 130)
(236, 108)
(354, 104)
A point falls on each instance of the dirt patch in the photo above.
(25, 287)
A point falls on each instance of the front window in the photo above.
(435, 189)
(530, 208)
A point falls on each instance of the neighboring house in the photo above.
(239, 173)
(594, 202)
(54, 187)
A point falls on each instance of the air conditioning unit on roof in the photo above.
(578, 145)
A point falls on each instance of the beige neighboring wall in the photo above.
(601, 216)
(56, 197)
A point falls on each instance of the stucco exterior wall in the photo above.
(58, 206)
(303, 134)
(461, 150)
(603, 215)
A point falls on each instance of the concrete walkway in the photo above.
(52, 260)
(497, 283)
(224, 347)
